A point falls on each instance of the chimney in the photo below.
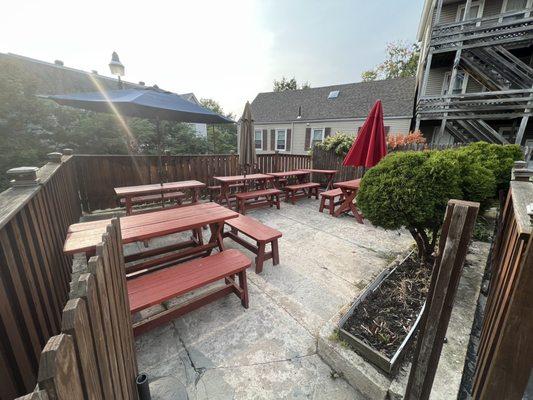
(59, 62)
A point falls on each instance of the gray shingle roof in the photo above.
(354, 101)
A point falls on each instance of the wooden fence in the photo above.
(34, 273)
(323, 159)
(99, 174)
(505, 352)
(94, 355)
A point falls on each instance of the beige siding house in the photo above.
(292, 121)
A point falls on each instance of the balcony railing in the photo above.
(485, 105)
(503, 28)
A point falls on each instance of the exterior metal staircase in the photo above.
(496, 68)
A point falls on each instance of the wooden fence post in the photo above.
(58, 369)
(453, 246)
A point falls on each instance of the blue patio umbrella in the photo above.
(149, 103)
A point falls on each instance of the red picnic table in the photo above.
(146, 191)
(349, 190)
(300, 175)
(329, 173)
(226, 181)
(84, 236)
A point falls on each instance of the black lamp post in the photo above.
(117, 68)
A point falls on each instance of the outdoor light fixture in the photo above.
(117, 68)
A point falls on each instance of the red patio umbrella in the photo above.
(370, 146)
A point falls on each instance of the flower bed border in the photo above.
(389, 366)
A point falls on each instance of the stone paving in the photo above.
(269, 351)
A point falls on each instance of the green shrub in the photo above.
(340, 143)
(411, 190)
(495, 157)
(477, 182)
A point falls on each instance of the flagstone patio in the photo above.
(223, 351)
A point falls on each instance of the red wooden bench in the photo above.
(155, 198)
(308, 189)
(271, 198)
(214, 191)
(329, 196)
(157, 287)
(259, 232)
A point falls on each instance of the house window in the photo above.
(281, 139)
(258, 139)
(512, 6)
(318, 137)
(461, 80)
(476, 11)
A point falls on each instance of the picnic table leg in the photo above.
(275, 252)
(330, 181)
(243, 284)
(128, 205)
(224, 194)
(216, 235)
(348, 199)
(195, 195)
(260, 259)
(197, 236)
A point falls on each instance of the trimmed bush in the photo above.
(497, 158)
(411, 190)
(477, 182)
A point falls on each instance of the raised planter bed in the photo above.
(387, 358)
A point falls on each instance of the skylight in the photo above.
(333, 94)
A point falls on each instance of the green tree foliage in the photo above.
(289, 84)
(221, 138)
(402, 61)
(411, 189)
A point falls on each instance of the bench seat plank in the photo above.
(254, 229)
(259, 232)
(257, 193)
(300, 186)
(154, 198)
(331, 193)
(165, 284)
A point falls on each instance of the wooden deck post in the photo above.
(453, 246)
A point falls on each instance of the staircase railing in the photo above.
(498, 29)
(503, 104)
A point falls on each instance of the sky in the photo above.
(227, 50)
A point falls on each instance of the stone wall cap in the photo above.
(21, 170)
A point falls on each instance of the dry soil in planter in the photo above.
(385, 317)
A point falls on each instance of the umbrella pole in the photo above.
(159, 163)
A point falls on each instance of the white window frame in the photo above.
(255, 140)
(504, 10)
(480, 3)
(446, 83)
(285, 135)
(313, 135)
